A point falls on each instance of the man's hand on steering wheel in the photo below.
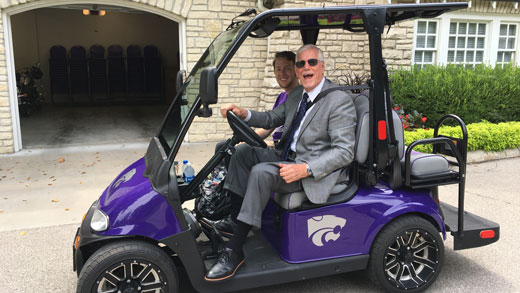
(242, 131)
(239, 111)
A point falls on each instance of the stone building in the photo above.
(486, 32)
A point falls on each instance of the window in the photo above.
(466, 43)
(506, 44)
(467, 40)
(425, 43)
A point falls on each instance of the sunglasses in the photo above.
(301, 63)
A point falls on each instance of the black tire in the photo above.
(151, 269)
(407, 256)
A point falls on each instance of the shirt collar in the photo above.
(314, 93)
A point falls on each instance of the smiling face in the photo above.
(284, 73)
(310, 76)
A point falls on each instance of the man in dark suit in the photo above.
(317, 143)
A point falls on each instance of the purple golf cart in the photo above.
(386, 219)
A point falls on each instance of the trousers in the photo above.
(254, 173)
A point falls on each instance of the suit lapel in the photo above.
(291, 108)
(314, 110)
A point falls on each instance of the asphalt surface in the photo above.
(38, 222)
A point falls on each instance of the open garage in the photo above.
(107, 73)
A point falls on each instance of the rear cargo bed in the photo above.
(477, 230)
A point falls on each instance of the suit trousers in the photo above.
(254, 173)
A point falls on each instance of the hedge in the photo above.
(474, 94)
(481, 136)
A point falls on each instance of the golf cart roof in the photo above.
(352, 18)
(349, 17)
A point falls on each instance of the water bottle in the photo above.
(188, 173)
(184, 163)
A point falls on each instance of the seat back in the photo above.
(153, 72)
(361, 102)
(399, 134)
(362, 128)
(59, 74)
(78, 74)
(116, 71)
(98, 71)
(135, 70)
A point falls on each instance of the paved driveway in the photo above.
(39, 259)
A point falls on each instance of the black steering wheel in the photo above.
(243, 132)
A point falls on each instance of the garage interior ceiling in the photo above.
(108, 8)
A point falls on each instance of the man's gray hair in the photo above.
(311, 46)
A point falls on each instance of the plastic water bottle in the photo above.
(184, 163)
(188, 173)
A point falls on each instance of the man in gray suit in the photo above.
(317, 143)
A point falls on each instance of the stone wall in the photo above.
(242, 81)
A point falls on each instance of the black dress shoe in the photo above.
(226, 226)
(227, 265)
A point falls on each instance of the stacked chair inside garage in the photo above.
(106, 76)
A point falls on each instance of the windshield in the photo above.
(187, 99)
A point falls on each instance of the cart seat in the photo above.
(422, 165)
(342, 191)
(294, 200)
(425, 165)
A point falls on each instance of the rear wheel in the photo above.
(407, 256)
(128, 266)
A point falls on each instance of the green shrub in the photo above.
(474, 94)
(481, 136)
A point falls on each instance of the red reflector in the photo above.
(381, 130)
(486, 234)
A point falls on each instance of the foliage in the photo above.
(351, 78)
(474, 94)
(411, 120)
(481, 136)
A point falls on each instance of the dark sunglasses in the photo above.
(301, 63)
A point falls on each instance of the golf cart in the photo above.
(387, 218)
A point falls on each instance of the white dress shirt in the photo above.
(312, 95)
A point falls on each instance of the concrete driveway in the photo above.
(43, 195)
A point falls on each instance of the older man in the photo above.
(317, 143)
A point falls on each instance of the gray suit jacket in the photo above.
(326, 140)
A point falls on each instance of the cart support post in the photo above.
(374, 24)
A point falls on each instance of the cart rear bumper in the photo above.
(477, 230)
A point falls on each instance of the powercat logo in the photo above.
(322, 229)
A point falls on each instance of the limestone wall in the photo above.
(242, 81)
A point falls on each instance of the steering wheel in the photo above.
(243, 132)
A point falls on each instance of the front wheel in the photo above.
(407, 256)
(129, 266)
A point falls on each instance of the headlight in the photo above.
(99, 222)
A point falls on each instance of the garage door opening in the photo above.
(108, 73)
